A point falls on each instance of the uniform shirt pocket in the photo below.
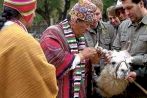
(123, 40)
(142, 43)
(143, 37)
(107, 41)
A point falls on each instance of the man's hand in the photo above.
(87, 53)
(131, 76)
(106, 54)
(107, 57)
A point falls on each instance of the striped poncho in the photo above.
(60, 45)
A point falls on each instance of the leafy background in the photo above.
(52, 11)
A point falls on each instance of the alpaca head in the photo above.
(120, 63)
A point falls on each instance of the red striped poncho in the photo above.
(57, 51)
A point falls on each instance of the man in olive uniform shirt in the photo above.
(135, 31)
(103, 34)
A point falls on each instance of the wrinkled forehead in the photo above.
(97, 11)
(112, 17)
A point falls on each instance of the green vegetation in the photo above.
(107, 3)
(57, 9)
(1, 2)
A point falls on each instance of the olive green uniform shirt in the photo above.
(104, 34)
(137, 35)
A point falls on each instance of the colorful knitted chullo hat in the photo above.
(25, 7)
(83, 10)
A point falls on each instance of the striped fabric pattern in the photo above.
(19, 1)
(57, 52)
(25, 7)
(76, 45)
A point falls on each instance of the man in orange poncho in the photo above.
(24, 70)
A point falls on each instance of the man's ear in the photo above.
(141, 4)
(72, 21)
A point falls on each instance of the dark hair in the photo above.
(8, 14)
(68, 17)
(137, 1)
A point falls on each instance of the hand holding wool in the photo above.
(87, 53)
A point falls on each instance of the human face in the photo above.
(132, 10)
(114, 20)
(80, 27)
(121, 14)
(97, 17)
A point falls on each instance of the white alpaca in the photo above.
(112, 78)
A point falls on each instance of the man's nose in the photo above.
(112, 20)
(127, 12)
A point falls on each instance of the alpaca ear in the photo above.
(141, 4)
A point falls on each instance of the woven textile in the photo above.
(83, 10)
(76, 45)
(24, 70)
(25, 7)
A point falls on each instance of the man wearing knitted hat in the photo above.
(24, 70)
(64, 46)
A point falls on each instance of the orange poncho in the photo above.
(24, 70)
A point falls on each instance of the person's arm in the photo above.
(76, 61)
(140, 60)
(44, 69)
(55, 53)
(141, 72)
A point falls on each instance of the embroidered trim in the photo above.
(76, 45)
